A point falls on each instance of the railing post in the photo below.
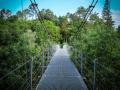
(29, 74)
(81, 70)
(48, 54)
(94, 75)
(51, 52)
(75, 54)
(43, 62)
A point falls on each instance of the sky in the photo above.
(61, 7)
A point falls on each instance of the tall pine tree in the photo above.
(106, 14)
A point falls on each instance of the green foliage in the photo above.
(53, 31)
(47, 14)
(96, 41)
(21, 39)
(107, 14)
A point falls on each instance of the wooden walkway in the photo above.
(61, 74)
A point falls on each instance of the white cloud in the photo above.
(116, 17)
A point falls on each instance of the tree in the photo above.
(81, 12)
(19, 14)
(26, 13)
(53, 31)
(32, 8)
(23, 15)
(63, 24)
(5, 14)
(118, 29)
(94, 17)
(106, 14)
(47, 14)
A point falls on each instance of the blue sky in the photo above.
(61, 7)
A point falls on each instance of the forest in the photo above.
(23, 37)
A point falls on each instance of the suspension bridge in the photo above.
(59, 73)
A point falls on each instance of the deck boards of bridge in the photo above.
(61, 74)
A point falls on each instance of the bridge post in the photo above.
(81, 70)
(48, 53)
(43, 62)
(29, 74)
(51, 52)
(94, 75)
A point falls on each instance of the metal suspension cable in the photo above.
(39, 15)
(20, 88)
(36, 71)
(39, 12)
(41, 19)
(22, 8)
(84, 19)
(89, 14)
(36, 78)
(15, 82)
(14, 70)
(89, 11)
(36, 12)
(86, 13)
(106, 68)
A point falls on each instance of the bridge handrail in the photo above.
(14, 70)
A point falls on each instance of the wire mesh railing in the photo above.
(14, 79)
(27, 75)
(96, 74)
